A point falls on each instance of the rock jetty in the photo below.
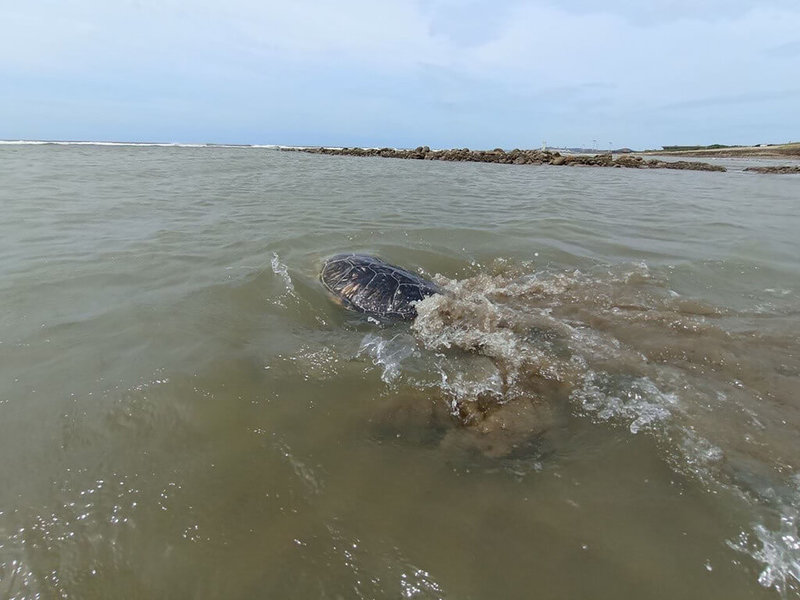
(516, 157)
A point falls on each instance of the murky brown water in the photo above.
(603, 404)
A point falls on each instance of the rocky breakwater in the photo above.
(516, 157)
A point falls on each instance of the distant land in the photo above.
(791, 150)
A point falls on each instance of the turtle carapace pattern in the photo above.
(369, 285)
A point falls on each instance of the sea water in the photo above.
(603, 402)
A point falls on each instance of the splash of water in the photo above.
(633, 353)
(282, 271)
(388, 354)
(777, 550)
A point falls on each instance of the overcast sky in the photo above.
(402, 73)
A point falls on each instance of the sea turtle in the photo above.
(369, 285)
(508, 429)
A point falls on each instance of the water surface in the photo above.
(604, 404)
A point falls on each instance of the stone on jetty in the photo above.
(515, 157)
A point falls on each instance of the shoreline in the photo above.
(786, 151)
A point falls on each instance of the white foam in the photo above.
(388, 354)
(639, 403)
(282, 271)
(777, 550)
(418, 583)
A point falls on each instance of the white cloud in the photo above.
(571, 62)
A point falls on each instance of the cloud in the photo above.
(737, 99)
(360, 71)
(659, 13)
(789, 49)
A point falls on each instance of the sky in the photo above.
(402, 73)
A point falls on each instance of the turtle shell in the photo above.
(369, 285)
